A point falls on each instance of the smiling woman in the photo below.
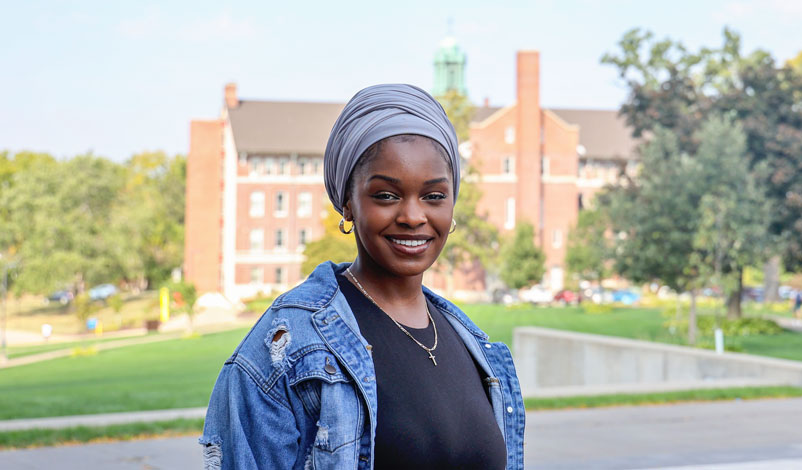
(361, 366)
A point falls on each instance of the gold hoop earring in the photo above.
(453, 226)
(342, 226)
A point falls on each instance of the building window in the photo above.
(256, 166)
(508, 165)
(280, 208)
(304, 204)
(316, 166)
(509, 135)
(302, 236)
(283, 166)
(257, 239)
(280, 276)
(280, 238)
(270, 166)
(301, 167)
(257, 276)
(257, 208)
(509, 220)
(557, 238)
(546, 166)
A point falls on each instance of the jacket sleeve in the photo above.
(246, 428)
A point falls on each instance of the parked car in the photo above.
(597, 295)
(626, 296)
(61, 296)
(566, 296)
(535, 294)
(754, 294)
(102, 292)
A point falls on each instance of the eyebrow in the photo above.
(398, 181)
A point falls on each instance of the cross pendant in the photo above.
(431, 356)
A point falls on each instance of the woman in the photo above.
(361, 367)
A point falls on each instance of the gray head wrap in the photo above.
(378, 112)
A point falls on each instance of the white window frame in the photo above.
(303, 237)
(280, 239)
(304, 204)
(556, 238)
(257, 204)
(280, 274)
(509, 218)
(280, 203)
(257, 275)
(508, 165)
(509, 135)
(256, 240)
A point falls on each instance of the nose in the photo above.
(411, 214)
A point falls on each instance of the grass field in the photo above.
(180, 373)
(170, 374)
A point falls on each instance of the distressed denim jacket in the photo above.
(299, 392)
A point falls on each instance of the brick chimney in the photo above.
(527, 138)
(231, 95)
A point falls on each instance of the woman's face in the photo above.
(402, 202)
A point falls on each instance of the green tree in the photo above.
(332, 246)
(59, 222)
(475, 241)
(460, 112)
(588, 249)
(151, 211)
(676, 89)
(734, 215)
(523, 263)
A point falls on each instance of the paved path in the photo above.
(667, 436)
(105, 419)
(738, 435)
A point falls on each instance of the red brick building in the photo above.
(255, 191)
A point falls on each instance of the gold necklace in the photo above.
(428, 350)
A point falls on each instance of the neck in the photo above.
(401, 297)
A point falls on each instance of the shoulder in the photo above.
(286, 331)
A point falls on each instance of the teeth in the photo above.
(408, 242)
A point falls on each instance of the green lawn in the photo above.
(636, 323)
(20, 351)
(180, 373)
(171, 374)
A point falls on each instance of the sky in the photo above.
(118, 78)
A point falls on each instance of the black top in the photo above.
(429, 417)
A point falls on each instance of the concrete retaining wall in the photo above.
(558, 363)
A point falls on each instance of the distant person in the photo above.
(798, 304)
(360, 366)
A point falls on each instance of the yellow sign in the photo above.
(164, 303)
(99, 328)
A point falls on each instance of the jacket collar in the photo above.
(321, 287)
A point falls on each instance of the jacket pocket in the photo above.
(330, 398)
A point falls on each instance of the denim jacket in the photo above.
(299, 392)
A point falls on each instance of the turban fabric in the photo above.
(378, 112)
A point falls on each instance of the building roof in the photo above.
(283, 127)
(603, 133)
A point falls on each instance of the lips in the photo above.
(410, 245)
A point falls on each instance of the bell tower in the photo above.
(449, 68)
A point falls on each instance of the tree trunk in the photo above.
(771, 280)
(692, 319)
(734, 298)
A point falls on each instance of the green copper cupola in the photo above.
(449, 68)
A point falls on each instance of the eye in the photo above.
(385, 196)
(434, 196)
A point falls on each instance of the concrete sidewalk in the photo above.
(105, 419)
